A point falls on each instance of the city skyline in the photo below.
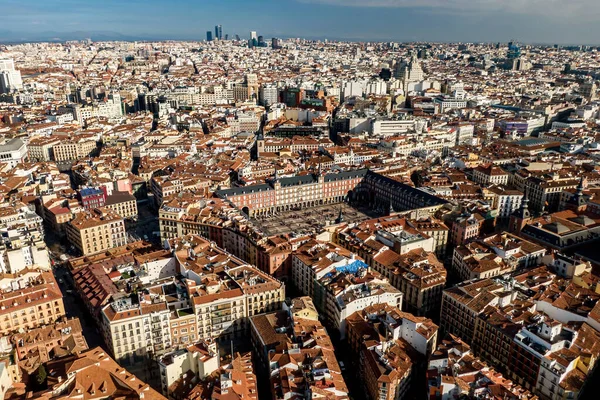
(407, 210)
(540, 21)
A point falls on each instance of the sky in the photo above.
(528, 21)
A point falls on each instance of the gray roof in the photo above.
(360, 173)
(428, 198)
(243, 190)
(119, 197)
(11, 145)
(297, 180)
(556, 227)
(291, 181)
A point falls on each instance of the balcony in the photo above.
(220, 307)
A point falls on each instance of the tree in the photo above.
(41, 376)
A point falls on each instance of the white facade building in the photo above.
(111, 108)
(356, 297)
(10, 78)
(136, 331)
(13, 151)
(201, 360)
(269, 95)
(392, 127)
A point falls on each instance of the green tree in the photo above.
(41, 376)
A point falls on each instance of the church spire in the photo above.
(580, 187)
(340, 217)
(577, 201)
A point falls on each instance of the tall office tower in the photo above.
(226, 36)
(269, 95)
(10, 78)
(209, 36)
(237, 37)
(218, 32)
(514, 51)
(261, 41)
(253, 36)
(409, 71)
(274, 43)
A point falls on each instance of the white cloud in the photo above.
(555, 8)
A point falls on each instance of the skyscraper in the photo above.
(10, 78)
(513, 50)
(209, 36)
(275, 43)
(253, 35)
(219, 32)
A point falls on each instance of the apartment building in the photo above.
(123, 204)
(57, 217)
(402, 250)
(95, 231)
(371, 237)
(42, 148)
(164, 186)
(495, 255)
(91, 198)
(462, 304)
(345, 290)
(310, 361)
(223, 290)
(388, 356)
(494, 331)
(42, 344)
(465, 228)
(102, 376)
(538, 347)
(435, 229)
(315, 259)
(490, 174)
(505, 201)
(199, 360)
(417, 274)
(544, 193)
(135, 332)
(28, 300)
(74, 149)
(111, 108)
(452, 364)
(218, 221)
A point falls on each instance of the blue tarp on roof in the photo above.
(353, 267)
(89, 192)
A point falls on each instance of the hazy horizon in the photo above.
(528, 21)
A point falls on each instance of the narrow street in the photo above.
(74, 307)
(351, 367)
